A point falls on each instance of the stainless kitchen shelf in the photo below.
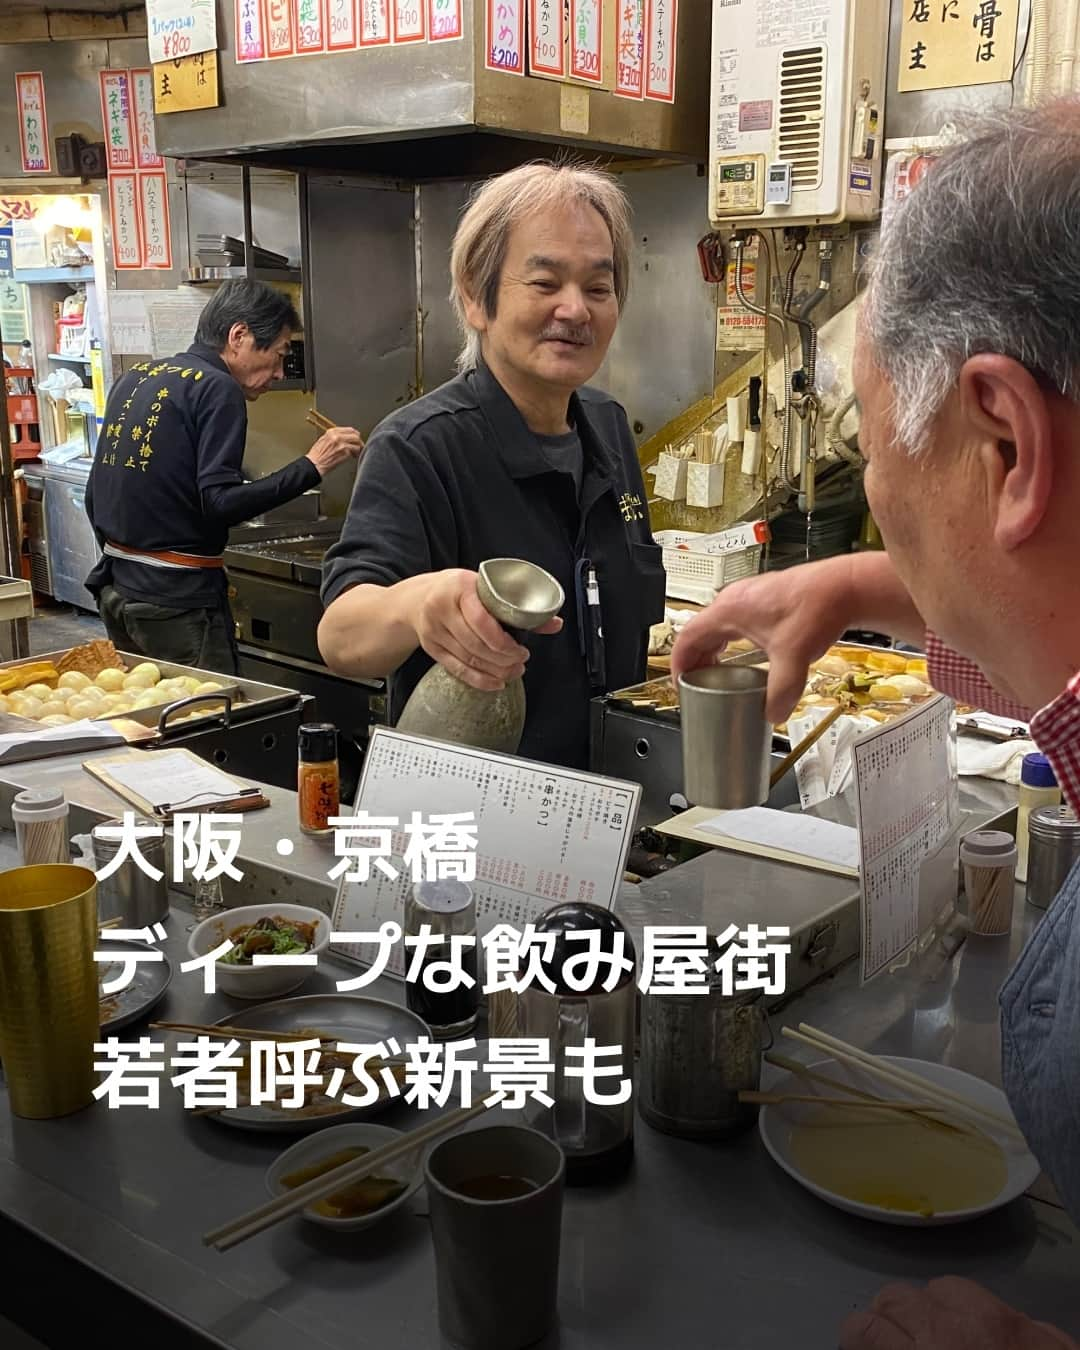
(213, 276)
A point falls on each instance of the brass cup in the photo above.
(49, 1002)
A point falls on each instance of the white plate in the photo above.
(775, 1125)
(334, 1140)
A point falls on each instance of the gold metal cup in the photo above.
(49, 1008)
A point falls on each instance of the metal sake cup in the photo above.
(726, 737)
(49, 1002)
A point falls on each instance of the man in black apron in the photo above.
(967, 372)
(167, 481)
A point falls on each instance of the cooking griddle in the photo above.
(295, 558)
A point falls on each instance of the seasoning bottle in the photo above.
(318, 782)
(40, 816)
(1038, 787)
(448, 909)
(1055, 851)
(989, 862)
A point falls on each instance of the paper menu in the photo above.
(789, 832)
(907, 804)
(545, 835)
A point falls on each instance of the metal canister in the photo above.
(698, 1052)
(1053, 849)
(130, 893)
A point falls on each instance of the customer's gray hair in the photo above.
(479, 248)
(983, 256)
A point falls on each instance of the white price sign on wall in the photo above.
(180, 28)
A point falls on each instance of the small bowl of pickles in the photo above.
(359, 1204)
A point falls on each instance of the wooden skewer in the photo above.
(807, 741)
(110, 923)
(241, 1033)
(902, 1078)
(265, 1216)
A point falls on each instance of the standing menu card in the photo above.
(545, 835)
(908, 805)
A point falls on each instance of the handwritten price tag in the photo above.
(374, 23)
(444, 20)
(547, 44)
(310, 35)
(124, 215)
(504, 47)
(154, 204)
(340, 25)
(661, 30)
(33, 125)
(116, 114)
(630, 48)
(586, 40)
(279, 28)
(410, 20)
(250, 37)
(142, 93)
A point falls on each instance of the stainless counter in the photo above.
(705, 1245)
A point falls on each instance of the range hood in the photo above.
(430, 111)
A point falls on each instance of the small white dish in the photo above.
(324, 1143)
(257, 982)
(775, 1127)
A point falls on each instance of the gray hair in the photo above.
(983, 256)
(479, 247)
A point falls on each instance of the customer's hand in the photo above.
(793, 615)
(455, 630)
(949, 1314)
(334, 447)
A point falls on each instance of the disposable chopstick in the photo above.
(897, 1077)
(110, 923)
(318, 420)
(265, 1216)
(874, 1104)
(802, 1071)
(807, 741)
(241, 1033)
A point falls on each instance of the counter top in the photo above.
(704, 1245)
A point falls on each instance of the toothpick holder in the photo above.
(671, 478)
(704, 484)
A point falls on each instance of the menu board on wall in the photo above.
(947, 44)
(444, 20)
(138, 190)
(630, 49)
(124, 221)
(180, 28)
(142, 98)
(661, 29)
(504, 36)
(33, 122)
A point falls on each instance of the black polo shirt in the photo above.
(172, 429)
(456, 478)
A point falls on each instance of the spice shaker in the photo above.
(40, 816)
(318, 781)
(1038, 787)
(448, 909)
(1054, 847)
(989, 861)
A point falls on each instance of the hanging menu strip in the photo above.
(374, 23)
(444, 20)
(340, 25)
(310, 36)
(661, 30)
(410, 20)
(629, 49)
(124, 217)
(154, 208)
(33, 122)
(504, 46)
(142, 97)
(547, 44)
(907, 805)
(544, 835)
(250, 37)
(180, 28)
(279, 28)
(586, 40)
(116, 115)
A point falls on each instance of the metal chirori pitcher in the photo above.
(596, 1136)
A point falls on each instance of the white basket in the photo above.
(692, 575)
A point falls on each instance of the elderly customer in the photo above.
(516, 457)
(968, 380)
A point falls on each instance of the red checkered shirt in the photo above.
(1055, 729)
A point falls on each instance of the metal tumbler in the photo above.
(1053, 850)
(726, 738)
(49, 1010)
(131, 894)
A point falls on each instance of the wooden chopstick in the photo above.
(879, 1104)
(897, 1077)
(241, 1033)
(807, 741)
(318, 420)
(265, 1216)
(793, 1066)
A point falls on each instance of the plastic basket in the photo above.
(693, 575)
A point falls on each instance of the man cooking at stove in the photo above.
(167, 481)
(516, 457)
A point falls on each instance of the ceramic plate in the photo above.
(348, 1017)
(146, 990)
(777, 1125)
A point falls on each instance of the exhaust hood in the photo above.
(429, 111)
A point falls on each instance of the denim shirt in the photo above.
(1040, 1035)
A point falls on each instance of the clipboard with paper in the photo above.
(164, 783)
